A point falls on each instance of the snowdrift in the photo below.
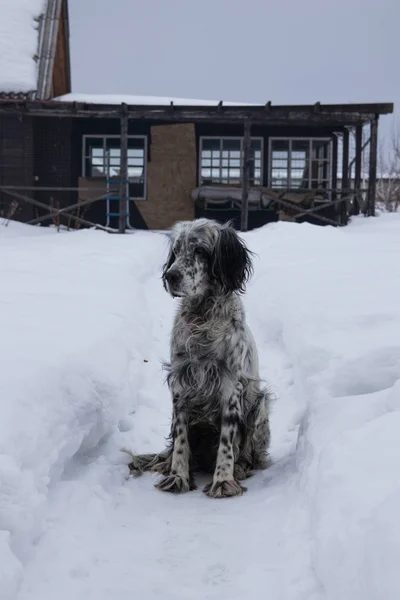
(84, 327)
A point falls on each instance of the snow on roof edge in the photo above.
(142, 100)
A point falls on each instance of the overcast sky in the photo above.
(287, 51)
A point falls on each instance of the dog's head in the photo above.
(206, 258)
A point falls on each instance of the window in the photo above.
(221, 160)
(102, 158)
(300, 163)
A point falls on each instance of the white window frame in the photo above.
(291, 139)
(232, 138)
(116, 136)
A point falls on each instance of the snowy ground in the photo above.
(84, 326)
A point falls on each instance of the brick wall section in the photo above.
(171, 176)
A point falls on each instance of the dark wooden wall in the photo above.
(53, 162)
(16, 161)
(47, 151)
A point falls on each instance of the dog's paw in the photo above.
(241, 472)
(263, 461)
(134, 470)
(133, 466)
(175, 484)
(224, 489)
(163, 468)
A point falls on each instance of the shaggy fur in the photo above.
(220, 419)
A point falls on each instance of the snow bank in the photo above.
(69, 357)
(141, 100)
(18, 44)
(336, 296)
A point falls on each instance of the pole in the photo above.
(123, 174)
(345, 177)
(245, 176)
(357, 177)
(373, 153)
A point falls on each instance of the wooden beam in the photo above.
(345, 177)
(334, 169)
(357, 176)
(123, 173)
(245, 176)
(336, 115)
(373, 157)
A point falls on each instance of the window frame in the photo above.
(106, 136)
(231, 138)
(290, 139)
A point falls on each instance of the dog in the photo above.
(220, 412)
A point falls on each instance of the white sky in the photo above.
(289, 52)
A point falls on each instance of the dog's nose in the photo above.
(173, 278)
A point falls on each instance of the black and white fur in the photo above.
(220, 418)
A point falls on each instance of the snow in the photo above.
(141, 100)
(19, 44)
(85, 324)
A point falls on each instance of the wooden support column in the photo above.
(123, 174)
(373, 157)
(345, 178)
(357, 180)
(334, 172)
(246, 176)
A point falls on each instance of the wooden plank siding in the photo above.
(61, 83)
(16, 161)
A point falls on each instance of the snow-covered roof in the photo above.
(19, 37)
(142, 100)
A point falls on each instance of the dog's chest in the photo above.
(201, 341)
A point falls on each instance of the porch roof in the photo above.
(337, 115)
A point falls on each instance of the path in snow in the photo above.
(109, 537)
(112, 537)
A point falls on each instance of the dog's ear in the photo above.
(169, 262)
(232, 265)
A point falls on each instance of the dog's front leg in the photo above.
(179, 479)
(224, 484)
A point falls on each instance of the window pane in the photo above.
(279, 163)
(308, 163)
(94, 157)
(228, 144)
(320, 164)
(112, 143)
(299, 164)
(136, 143)
(221, 161)
(211, 144)
(103, 159)
(256, 145)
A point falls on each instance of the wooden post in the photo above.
(246, 176)
(357, 177)
(123, 173)
(334, 173)
(373, 155)
(345, 177)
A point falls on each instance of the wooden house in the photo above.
(138, 162)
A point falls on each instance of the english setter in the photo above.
(220, 420)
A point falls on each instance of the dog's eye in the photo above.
(201, 252)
